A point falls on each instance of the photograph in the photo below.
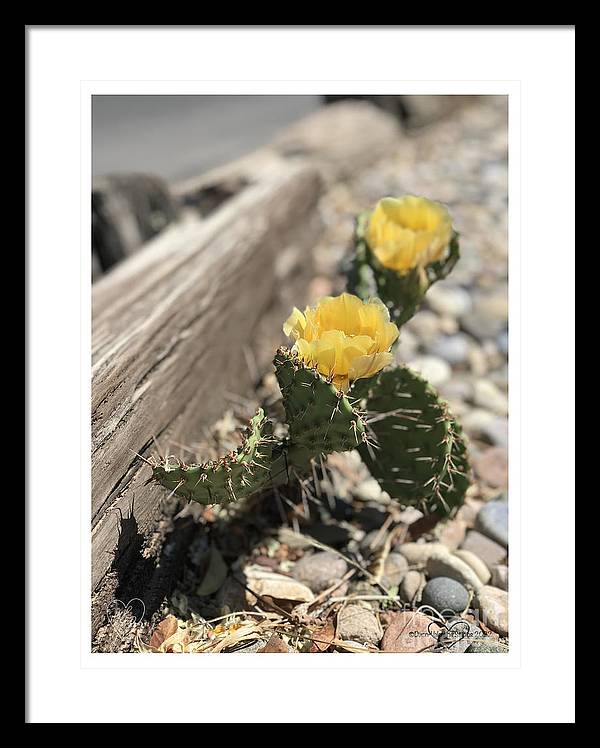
(299, 304)
(300, 374)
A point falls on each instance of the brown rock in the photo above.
(490, 552)
(492, 467)
(493, 609)
(320, 570)
(265, 583)
(500, 577)
(409, 632)
(447, 565)
(270, 563)
(411, 587)
(359, 624)
(476, 564)
(452, 533)
(419, 553)
(469, 511)
(394, 570)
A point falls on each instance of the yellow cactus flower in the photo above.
(408, 232)
(343, 337)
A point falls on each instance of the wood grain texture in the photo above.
(171, 328)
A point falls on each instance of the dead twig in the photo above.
(355, 564)
(323, 596)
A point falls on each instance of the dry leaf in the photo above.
(176, 643)
(165, 629)
(168, 636)
(323, 637)
(409, 631)
(275, 644)
(216, 573)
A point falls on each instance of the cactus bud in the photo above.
(404, 245)
(408, 232)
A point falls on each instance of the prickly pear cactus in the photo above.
(320, 417)
(401, 293)
(236, 475)
(337, 395)
(420, 456)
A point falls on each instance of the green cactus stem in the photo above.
(320, 417)
(420, 457)
(401, 293)
(236, 475)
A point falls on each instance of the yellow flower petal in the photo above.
(295, 324)
(366, 366)
(342, 382)
(304, 350)
(375, 322)
(407, 232)
(325, 355)
(340, 313)
(343, 337)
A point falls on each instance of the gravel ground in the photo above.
(340, 567)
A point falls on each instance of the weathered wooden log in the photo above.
(172, 327)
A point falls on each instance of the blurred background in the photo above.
(179, 136)
(141, 143)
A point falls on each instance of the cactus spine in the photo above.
(229, 478)
(320, 417)
(420, 458)
(320, 420)
(402, 429)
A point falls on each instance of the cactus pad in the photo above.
(320, 417)
(232, 477)
(420, 457)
